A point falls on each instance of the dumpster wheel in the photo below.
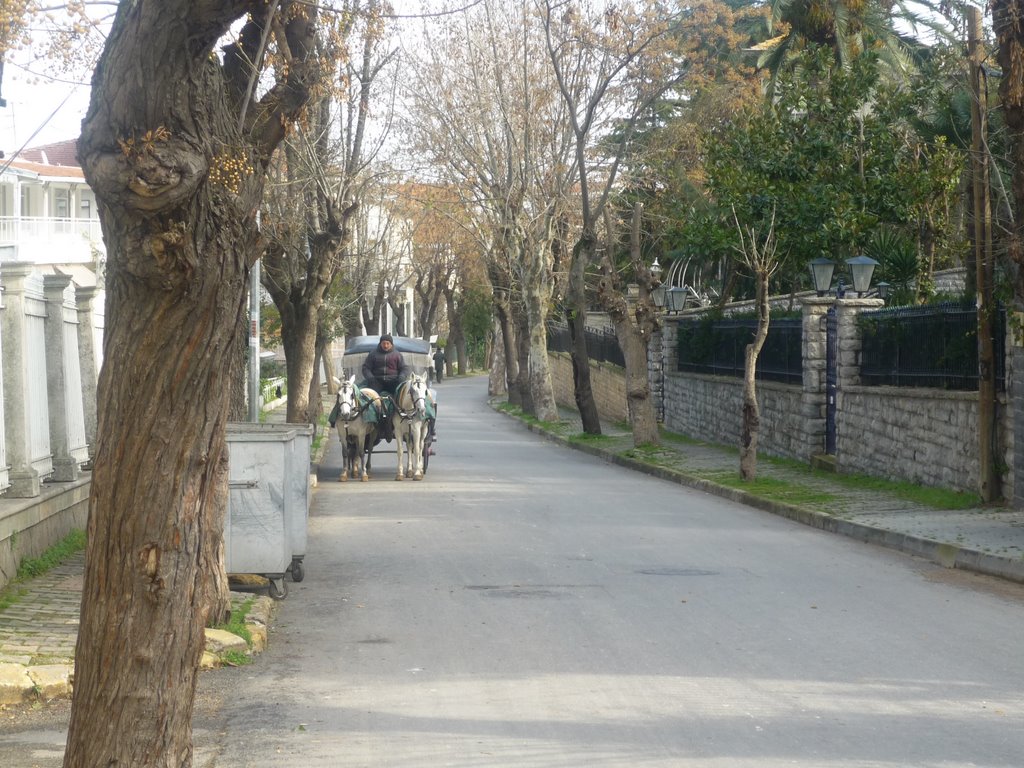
(297, 571)
(278, 588)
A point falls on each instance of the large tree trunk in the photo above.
(298, 336)
(633, 332)
(180, 235)
(542, 394)
(505, 336)
(456, 337)
(521, 383)
(497, 381)
(536, 296)
(576, 317)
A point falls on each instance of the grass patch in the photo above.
(235, 658)
(236, 624)
(938, 498)
(556, 427)
(31, 567)
(655, 456)
(10, 595)
(319, 435)
(584, 438)
(773, 489)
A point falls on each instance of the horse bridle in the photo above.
(360, 406)
(406, 416)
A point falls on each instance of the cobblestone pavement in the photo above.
(41, 625)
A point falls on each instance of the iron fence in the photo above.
(929, 346)
(602, 345)
(718, 346)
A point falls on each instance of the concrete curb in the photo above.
(942, 553)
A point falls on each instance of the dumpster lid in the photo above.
(250, 431)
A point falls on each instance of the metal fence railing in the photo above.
(602, 345)
(719, 347)
(929, 346)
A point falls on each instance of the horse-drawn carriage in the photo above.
(359, 411)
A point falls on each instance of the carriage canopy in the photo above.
(415, 351)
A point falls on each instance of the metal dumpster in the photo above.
(268, 501)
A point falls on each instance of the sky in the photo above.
(42, 110)
(39, 111)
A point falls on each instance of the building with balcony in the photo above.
(51, 329)
(47, 211)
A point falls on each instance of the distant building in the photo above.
(47, 211)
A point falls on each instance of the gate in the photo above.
(831, 378)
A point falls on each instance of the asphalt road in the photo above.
(530, 606)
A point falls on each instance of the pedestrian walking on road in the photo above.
(439, 364)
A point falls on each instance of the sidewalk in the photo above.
(39, 629)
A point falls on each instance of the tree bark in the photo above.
(456, 336)
(576, 318)
(751, 411)
(633, 332)
(505, 326)
(178, 178)
(522, 383)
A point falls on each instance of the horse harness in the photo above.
(408, 415)
(362, 403)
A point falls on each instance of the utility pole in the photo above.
(988, 480)
(254, 342)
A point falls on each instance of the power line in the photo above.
(36, 133)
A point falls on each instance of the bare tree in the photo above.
(759, 256)
(611, 65)
(309, 223)
(634, 326)
(488, 114)
(175, 150)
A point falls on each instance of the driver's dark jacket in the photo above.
(384, 370)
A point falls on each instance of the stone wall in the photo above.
(608, 382)
(924, 436)
(711, 408)
(28, 527)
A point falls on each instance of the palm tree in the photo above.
(848, 27)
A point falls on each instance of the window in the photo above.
(62, 203)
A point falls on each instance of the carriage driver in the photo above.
(383, 370)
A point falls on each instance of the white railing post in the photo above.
(84, 296)
(7, 253)
(64, 380)
(26, 420)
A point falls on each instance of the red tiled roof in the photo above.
(61, 153)
(63, 171)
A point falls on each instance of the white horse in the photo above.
(410, 424)
(355, 429)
